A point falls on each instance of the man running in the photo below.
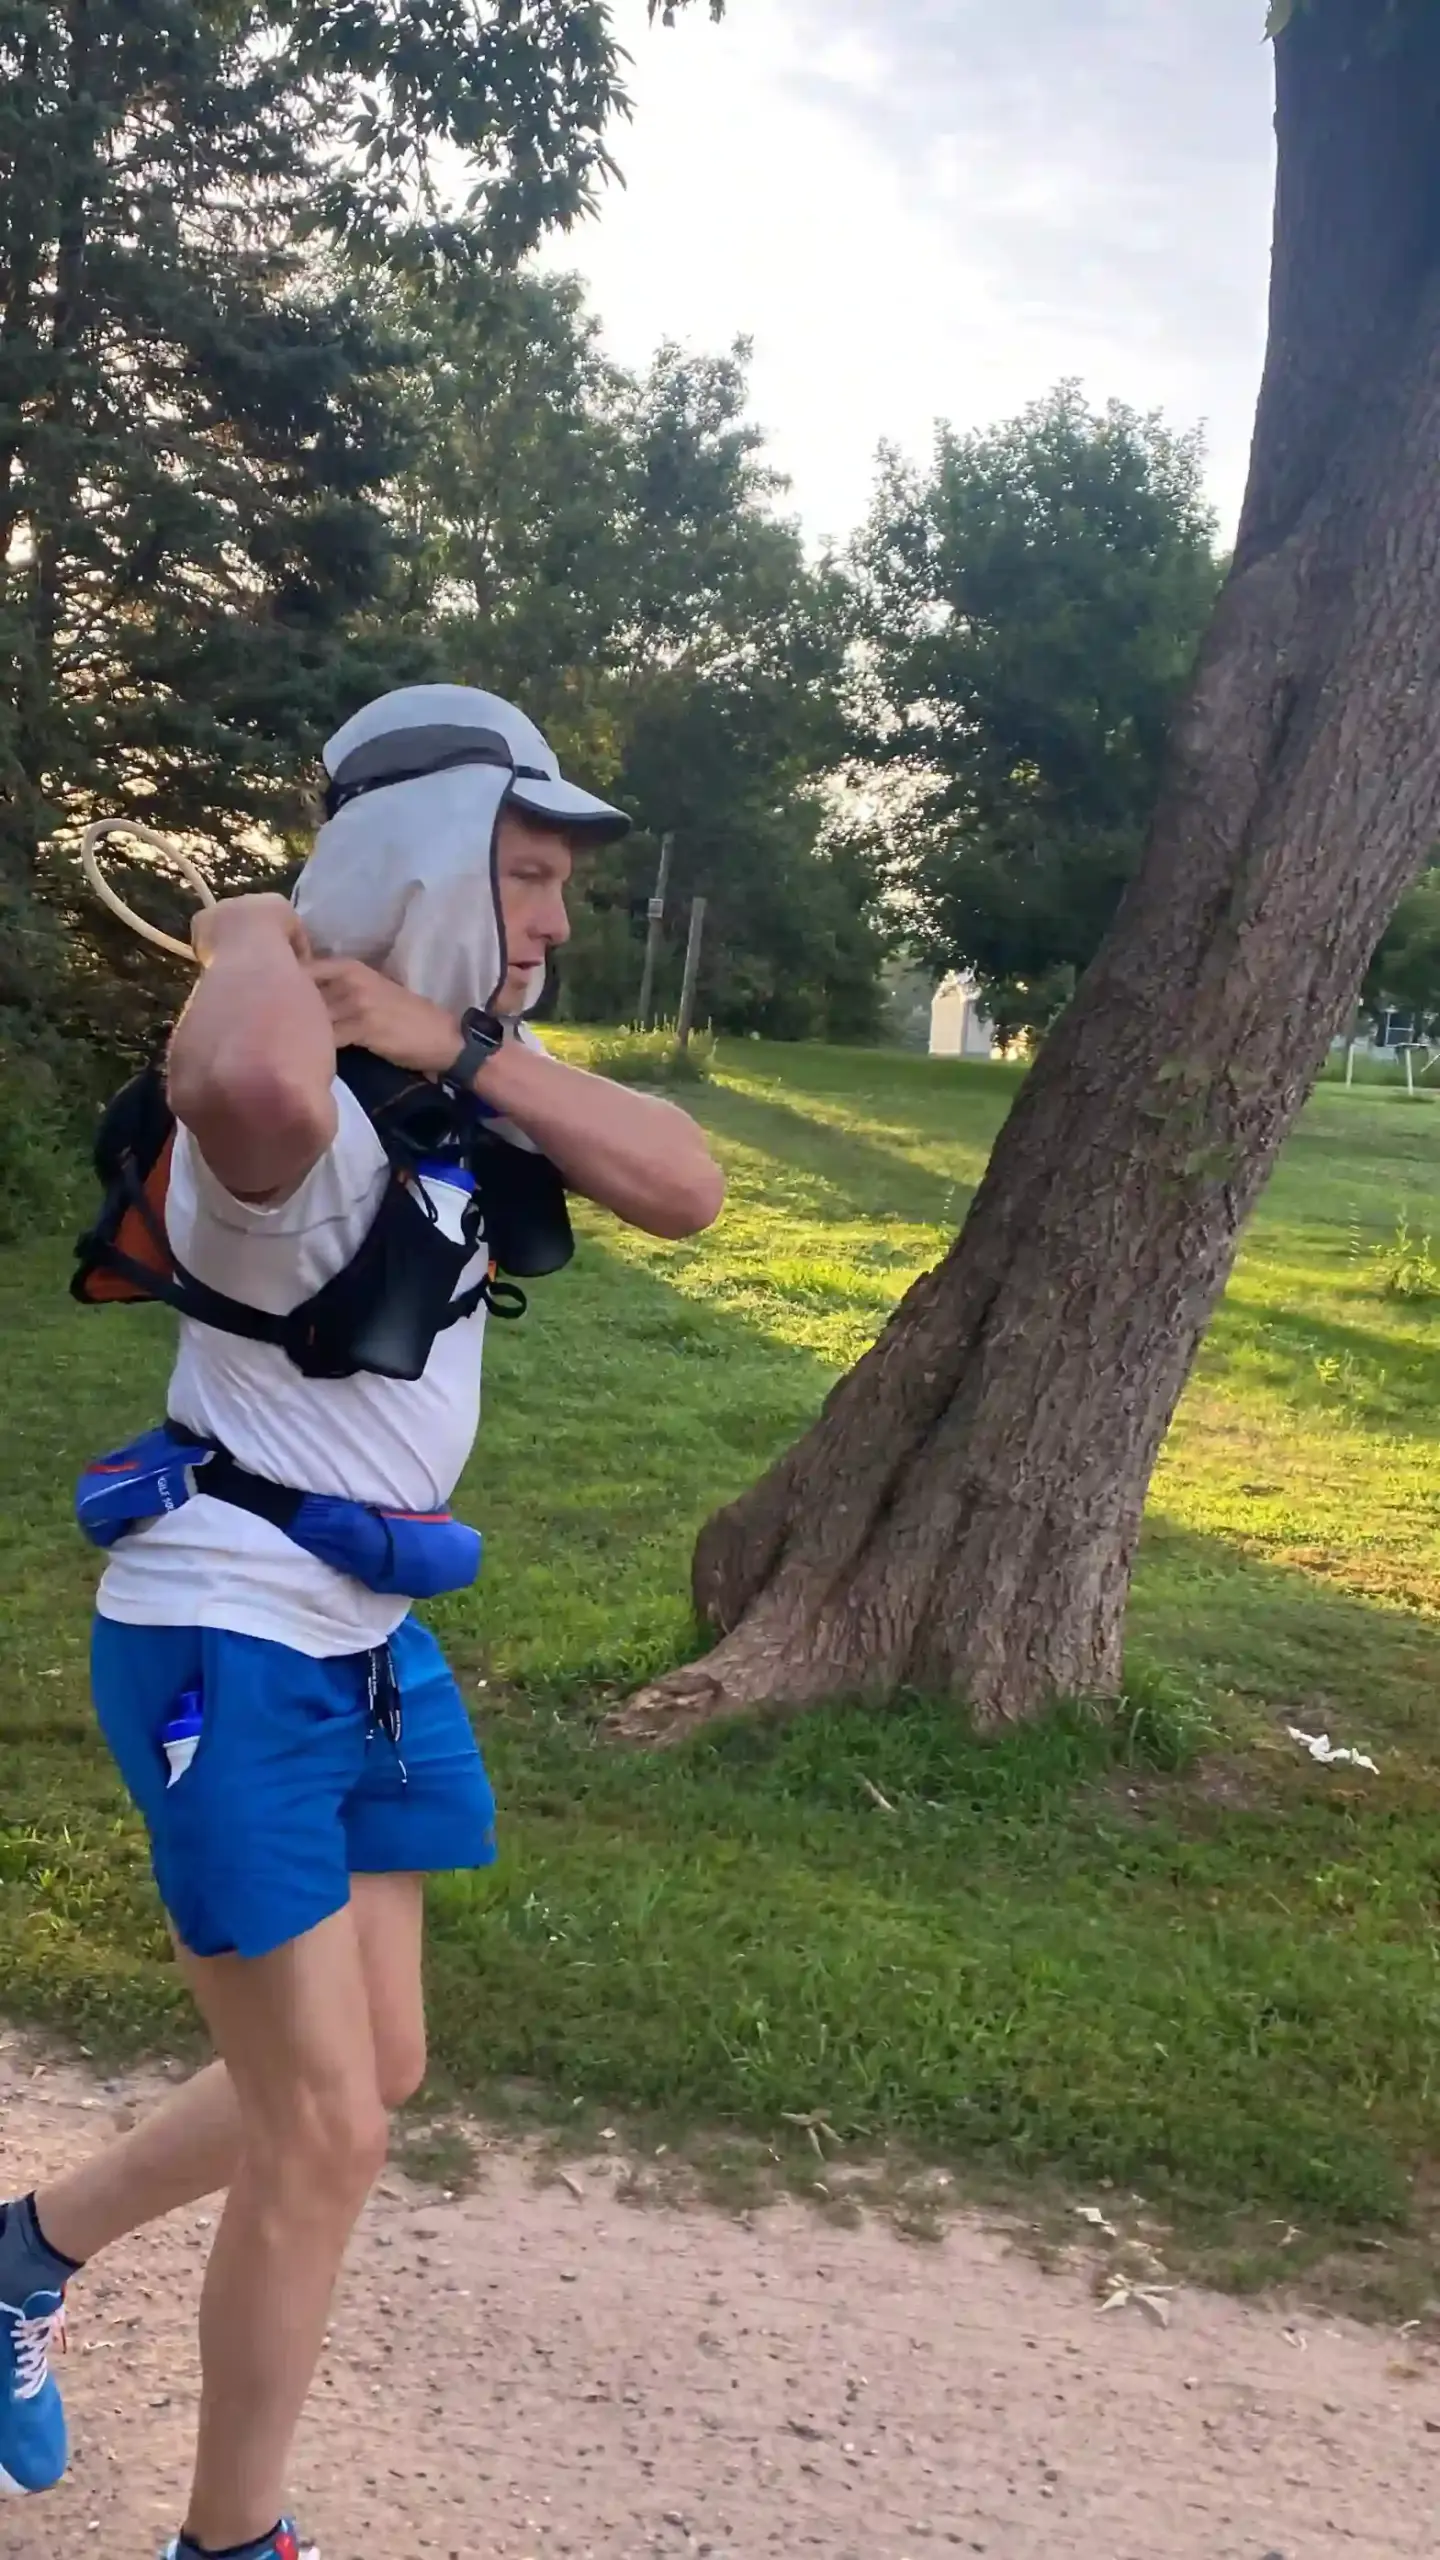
(290, 1835)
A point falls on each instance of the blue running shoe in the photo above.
(33, 2445)
(283, 2544)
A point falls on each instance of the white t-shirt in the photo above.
(372, 1439)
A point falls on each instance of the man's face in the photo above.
(535, 864)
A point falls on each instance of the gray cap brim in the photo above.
(567, 806)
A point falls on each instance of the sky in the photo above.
(936, 209)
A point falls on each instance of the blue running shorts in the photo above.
(291, 1791)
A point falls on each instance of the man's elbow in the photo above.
(693, 1201)
(253, 1093)
(256, 1118)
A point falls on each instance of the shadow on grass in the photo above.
(849, 1175)
(907, 1082)
(1376, 1377)
(1224, 1996)
(1233, 2001)
(1224, 1620)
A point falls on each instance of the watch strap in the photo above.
(484, 1033)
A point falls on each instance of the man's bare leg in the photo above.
(185, 2148)
(294, 2030)
(189, 2145)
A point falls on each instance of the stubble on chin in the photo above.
(510, 1002)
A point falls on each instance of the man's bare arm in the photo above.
(641, 1158)
(252, 1061)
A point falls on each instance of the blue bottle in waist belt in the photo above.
(180, 1737)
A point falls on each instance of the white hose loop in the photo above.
(190, 872)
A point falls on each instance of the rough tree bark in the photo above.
(963, 1516)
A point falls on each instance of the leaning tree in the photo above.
(964, 1514)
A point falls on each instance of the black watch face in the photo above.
(483, 1036)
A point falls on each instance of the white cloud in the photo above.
(936, 208)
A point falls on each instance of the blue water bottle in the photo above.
(446, 1190)
(180, 1739)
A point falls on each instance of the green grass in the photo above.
(1164, 1950)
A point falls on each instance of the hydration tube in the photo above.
(175, 854)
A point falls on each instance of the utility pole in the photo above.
(653, 931)
(692, 971)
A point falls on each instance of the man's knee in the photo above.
(400, 2062)
(331, 2149)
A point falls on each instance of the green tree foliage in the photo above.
(508, 512)
(200, 419)
(607, 548)
(283, 418)
(1031, 608)
(517, 94)
(733, 651)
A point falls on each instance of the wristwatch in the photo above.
(484, 1034)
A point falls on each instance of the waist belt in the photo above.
(412, 1555)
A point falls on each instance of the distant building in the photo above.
(958, 1027)
(905, 1012)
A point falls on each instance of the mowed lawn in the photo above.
(1169, 1951)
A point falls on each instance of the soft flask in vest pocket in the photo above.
(385, 1309)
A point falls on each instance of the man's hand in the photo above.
(262, 918)
(369, 1011)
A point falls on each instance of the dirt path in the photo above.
(529, 2373)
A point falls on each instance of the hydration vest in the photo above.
(384, 1311)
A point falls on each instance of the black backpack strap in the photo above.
(522, 1196)
(382, 1313)
(523, 1201)
(227, 1481)
(194, 1298)
(411, 1115)
(505, 1299)
(182, 1291)
(191, 1297)
(499, 1297)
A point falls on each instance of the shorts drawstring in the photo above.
(383, 1710)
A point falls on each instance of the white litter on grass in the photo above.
(1155, 2300)
(1332, 1755)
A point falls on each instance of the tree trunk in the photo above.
(963, 1517)
(43, 252)
(55, 469)
(21, 223)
